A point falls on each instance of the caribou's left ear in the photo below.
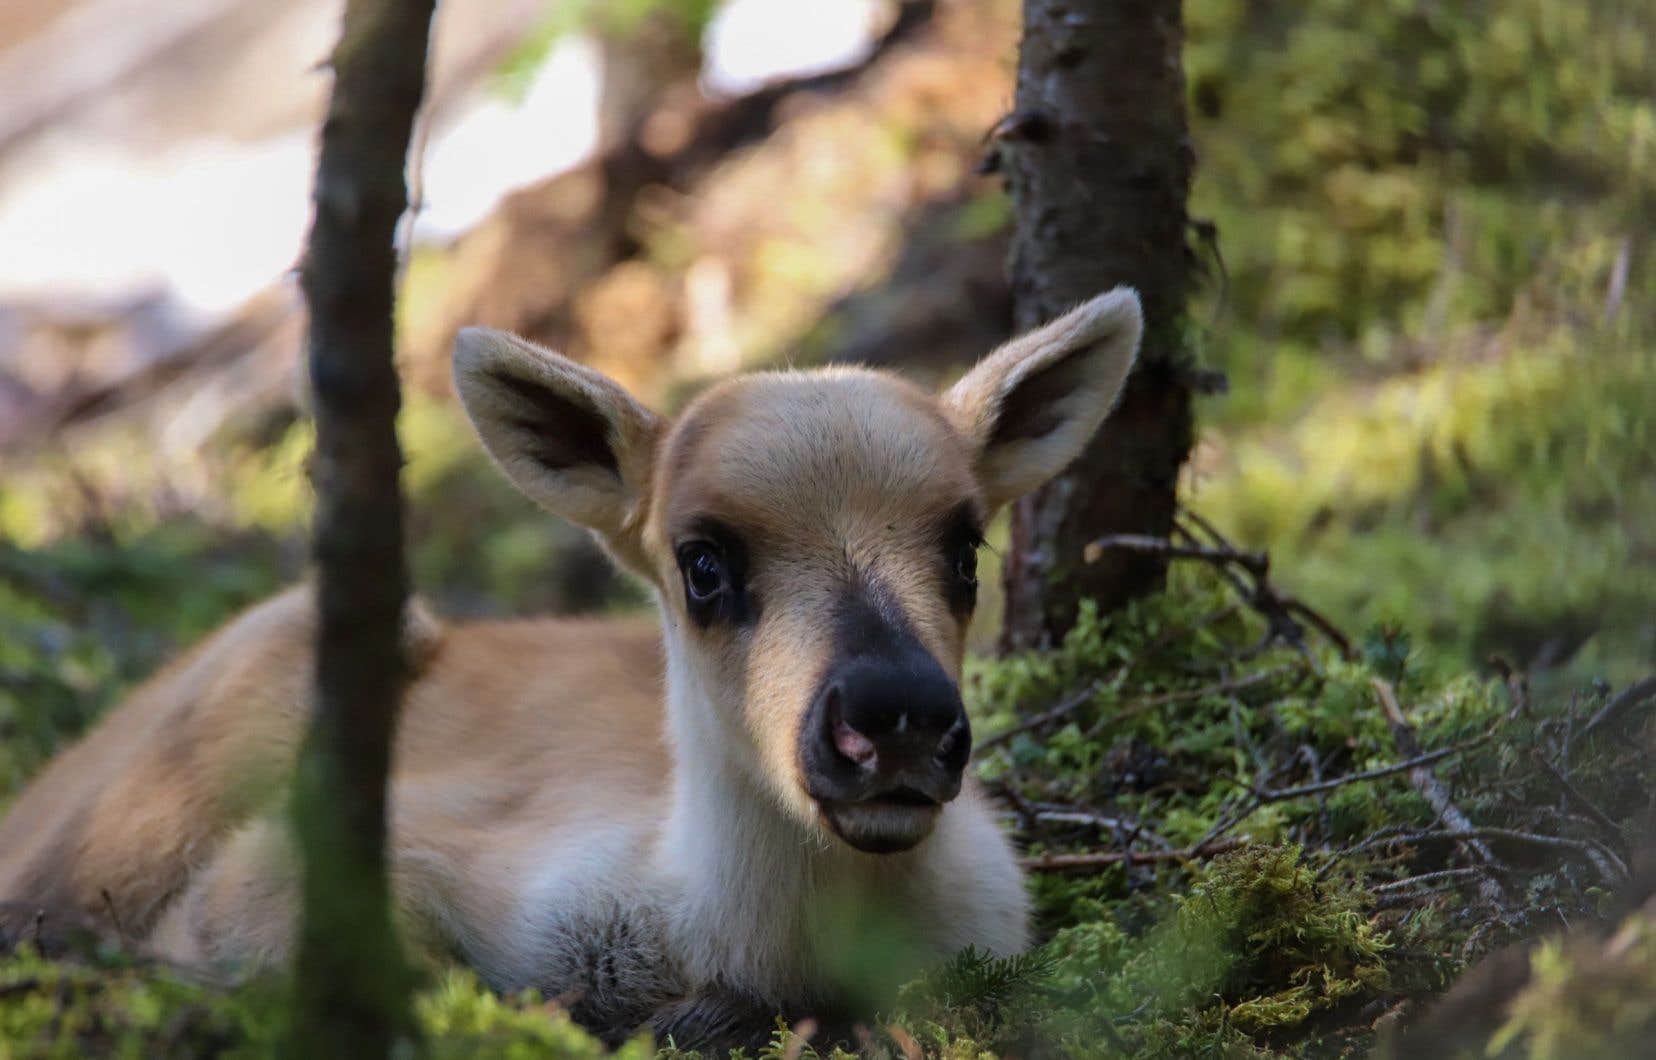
(568, 436)
(1032, 405)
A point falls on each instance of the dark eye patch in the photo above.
(961, 537)
(713, 564)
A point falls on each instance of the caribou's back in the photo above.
(507, 728)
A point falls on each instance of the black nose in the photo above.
(887, 727)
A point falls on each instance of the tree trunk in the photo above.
(351, 985)
(1098, 162)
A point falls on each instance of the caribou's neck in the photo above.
(756, 891)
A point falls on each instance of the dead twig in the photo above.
(1126, 829)
(1586, 805)
(1116, 680)
(1102, 859)
(1254, 562)
(1424, 759)
(1433, 791)
(1162, 699)
(1231, 820)
(1608, 865)
(1286, 615)
(1637, 694)
(1020, 806)
(1035, 721)
(1271, 601)
(114, 916)
(1605, 863)
(1426, 878)
(1516, 682)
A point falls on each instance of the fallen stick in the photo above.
(1253, 562)
(1610, 867)
(1418, 761)
(1587, 805)
(1631, 696)
(1035, 721)
(1100, 859)
(1435, 794)
(1426, 878)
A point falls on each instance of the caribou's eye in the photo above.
(712, 559)
(704, 573)
(966, 555)
(961, 541)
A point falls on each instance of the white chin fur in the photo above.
(881, 828)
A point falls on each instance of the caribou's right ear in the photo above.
(1031, 406)
(567, 436)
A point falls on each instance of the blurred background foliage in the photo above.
(1430, 288)
(1433, 301)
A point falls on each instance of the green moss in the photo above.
(83, 620)
(105, 1005)
(1381, 170)
(1264, 933)
(1586, 1000)
(461, 1019)
(1488, 506)
(113, 1008)
(1425, 212)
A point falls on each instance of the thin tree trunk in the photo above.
(351, 985)
(1098, 161)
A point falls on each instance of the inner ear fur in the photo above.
(570, 438)
(1031, 406)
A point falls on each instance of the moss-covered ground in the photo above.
(1226, 860)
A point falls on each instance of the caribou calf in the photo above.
(772, 814)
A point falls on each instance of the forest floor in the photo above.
(1248, 834)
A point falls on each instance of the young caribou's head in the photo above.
(813, 539)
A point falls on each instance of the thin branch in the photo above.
(1574, 794)
(1607, 867)
(1103, 859)
(1427, 878)
(1035, 721)
(1330, 784)
(1254, 562)
(1125, 828)
(1637, 694)
(1433, 791)
(1234, 818)
(1223, 825)
(1283, 612)
(1280, 608)
(1131, 710)
(1162, 699)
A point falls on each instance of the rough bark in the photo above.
(350, 979)
(1098, 162)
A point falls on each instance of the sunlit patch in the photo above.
(752, 42)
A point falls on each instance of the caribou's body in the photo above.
(757, 806)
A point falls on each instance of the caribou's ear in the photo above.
(568, 436)
(1032, 405)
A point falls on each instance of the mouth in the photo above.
(888, 823)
